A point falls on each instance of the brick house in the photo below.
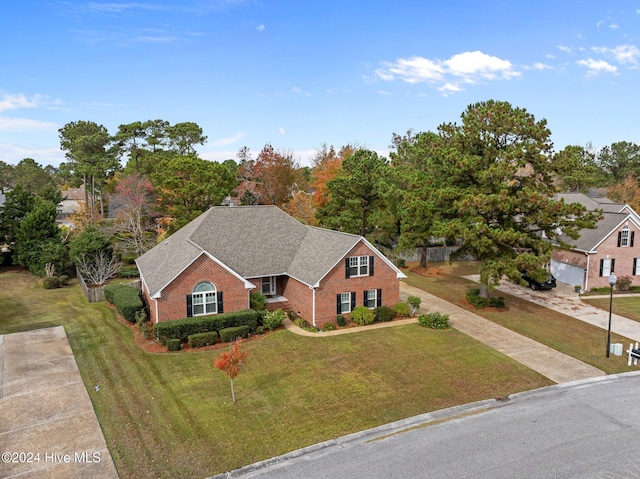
(613, 246)
(213, 263)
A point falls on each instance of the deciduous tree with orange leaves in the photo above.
(229, 363)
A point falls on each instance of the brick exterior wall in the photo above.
(623, 256)
(384, 278)
(172, 304)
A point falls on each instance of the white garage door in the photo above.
(567, 273)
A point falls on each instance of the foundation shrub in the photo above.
(183, 328)
(384, 314)
(200, 340)
(362, 315)
(228, 335)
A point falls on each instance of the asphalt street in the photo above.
(586, 429)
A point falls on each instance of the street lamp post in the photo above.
(612, 281)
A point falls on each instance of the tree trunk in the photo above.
(484, 290)
(233, 393)
(423, 256)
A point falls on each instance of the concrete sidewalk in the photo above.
(547, 361)
(48, 427)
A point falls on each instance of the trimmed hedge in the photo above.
(50, 282)
(200, 340)
(228, 335)
(362, 315)
(183, 328)
(174, 345)
(126, 299)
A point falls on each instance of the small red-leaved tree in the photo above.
(230, 362)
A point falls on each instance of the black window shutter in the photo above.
(632, 235)
(220, 306)
(370, 265)
(364, 299)
(634, 266)
(353, 300)
(379, 298)
(346, 268)
(338, 304)
(619, 238)
(189, 306)
(613, 265)
(601, 266)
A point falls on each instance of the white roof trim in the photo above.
(399, 274)
(247, 284)
(629, 217)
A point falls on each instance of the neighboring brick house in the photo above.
(213, 263)
(613, 246)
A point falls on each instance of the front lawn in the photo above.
(171, 415)
(627, 306)
(558, 331)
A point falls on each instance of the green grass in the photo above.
(558, 331)
(627, 306)
(171, 415)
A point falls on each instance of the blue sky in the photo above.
(300, 74)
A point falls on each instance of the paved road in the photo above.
(586, 429)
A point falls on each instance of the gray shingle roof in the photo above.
(253, 241)
(592, 204)
(590, 238)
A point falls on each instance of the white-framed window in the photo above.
(636, 266)
(345, 302)
(358, 266)
(371, 298)
(204, 299)
(268, 285)
(624, 237)
(607, 266)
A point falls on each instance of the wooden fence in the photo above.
(94, 295)
(435, 254)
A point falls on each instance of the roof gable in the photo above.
(252, 241)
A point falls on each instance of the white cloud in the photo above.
(13, 102)
(230, 140)
(295, 89)
(614, 26)
(24, 124)
(625, 53)
(542, 66)
(13, 154)
(261, 28)
(595, 67)
(281, 130)
(462, 68)
(384, 92)
(565, 49)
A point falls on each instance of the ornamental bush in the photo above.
(362, 315)
(200, 340)
(384, 314)
(228, 335)
(174, 345)
(50, 282)
(624, 283)
(474, 298)
(434, 320)
(273, 319)
(341, 320)
(414, 304)
(401, 309)
(257, 301)
(329, 327)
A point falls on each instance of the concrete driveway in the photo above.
(48, 428)
(565, 300)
